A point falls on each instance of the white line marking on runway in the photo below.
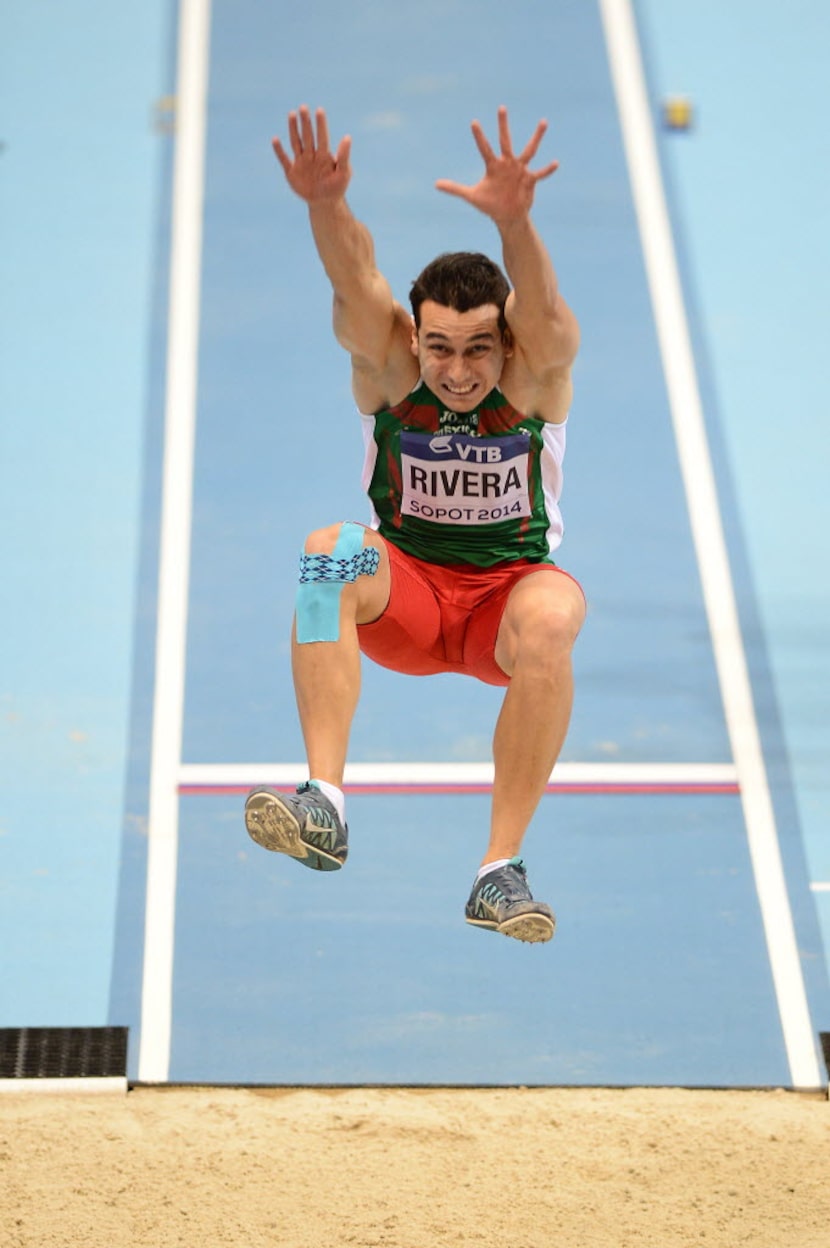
(85, 1085)
(707, 531)
(174, 559)
(217, 775)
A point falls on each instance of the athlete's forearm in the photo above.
(343, 244)
(529, 267)
(539, 318)
(363, 312)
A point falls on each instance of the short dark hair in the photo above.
(462, 280)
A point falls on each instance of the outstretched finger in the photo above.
(539, 174)
(504, 133)
(322, 130)
(306, 129)
(341, 156)
(533, 146)
(453, 188)
(281, 155)
(294, 135)
(481, 143)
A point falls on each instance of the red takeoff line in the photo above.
(718, 789)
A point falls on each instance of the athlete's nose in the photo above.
(457, 369)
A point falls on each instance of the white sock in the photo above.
(334, 795)
(491, 866)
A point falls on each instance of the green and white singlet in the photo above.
(478, 487)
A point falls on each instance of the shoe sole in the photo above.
(273, 825)
(533, 929)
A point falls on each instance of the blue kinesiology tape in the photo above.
(322, 578)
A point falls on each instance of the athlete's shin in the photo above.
(541, 623)
(529, 735)
(327, 688)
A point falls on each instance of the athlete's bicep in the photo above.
(385, 373)
(364, 319)
(548, 340)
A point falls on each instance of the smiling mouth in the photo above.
(461, 392)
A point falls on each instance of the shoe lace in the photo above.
(321, 814)
(504, 883)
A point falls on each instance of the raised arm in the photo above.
(368, 322)
(544, 329)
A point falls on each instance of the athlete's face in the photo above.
(461, 354)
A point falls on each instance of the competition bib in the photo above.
(452, 478)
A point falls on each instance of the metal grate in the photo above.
(62, 1052)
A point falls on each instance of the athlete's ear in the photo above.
(507, 341)
(413, 342)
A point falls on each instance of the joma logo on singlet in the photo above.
(453, 422)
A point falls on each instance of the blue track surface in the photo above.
(659, 973)
(656, 975)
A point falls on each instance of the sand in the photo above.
(305, 1168)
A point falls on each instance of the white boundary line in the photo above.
(707, 531)
(174, 558)
(85, 1084)
(250, 774)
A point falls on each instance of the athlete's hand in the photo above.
(314, 173)
(506, 190)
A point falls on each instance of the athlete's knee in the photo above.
(333, 560)
(550, 627)
(546, 625)
(322, 541)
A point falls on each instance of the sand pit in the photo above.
(537, 1168)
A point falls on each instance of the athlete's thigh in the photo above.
(544, 607)
(407, 633)
(374, 591)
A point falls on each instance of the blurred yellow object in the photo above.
(677, 113)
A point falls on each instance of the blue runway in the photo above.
(686, 867)
(658, 975)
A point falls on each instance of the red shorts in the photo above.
(444, 618)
